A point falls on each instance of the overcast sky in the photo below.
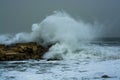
(19, 15)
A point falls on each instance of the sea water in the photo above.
(97, 61)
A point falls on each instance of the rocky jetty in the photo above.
(21, 51)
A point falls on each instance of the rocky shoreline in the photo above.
(21, 51)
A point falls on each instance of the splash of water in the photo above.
(9, 39)
(70, 36)
(58, 27)
(61, 27)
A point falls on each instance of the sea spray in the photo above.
(61, 27)
(58, 27)
(71, 38)
(68, 34)
(9, 39)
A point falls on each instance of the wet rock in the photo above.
(53, 59)
(105, 76)
(22, 51)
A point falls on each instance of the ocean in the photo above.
(77, 52)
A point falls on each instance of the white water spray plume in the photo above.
(59, 28)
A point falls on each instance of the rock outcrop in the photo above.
(21, 51)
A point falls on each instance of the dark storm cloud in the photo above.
(19, 15)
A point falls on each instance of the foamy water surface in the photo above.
(87, 67)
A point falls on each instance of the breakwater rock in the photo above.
(21, 51)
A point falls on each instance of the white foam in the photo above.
(67, 70)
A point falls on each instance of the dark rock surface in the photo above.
(21, 51)
(105, 76)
